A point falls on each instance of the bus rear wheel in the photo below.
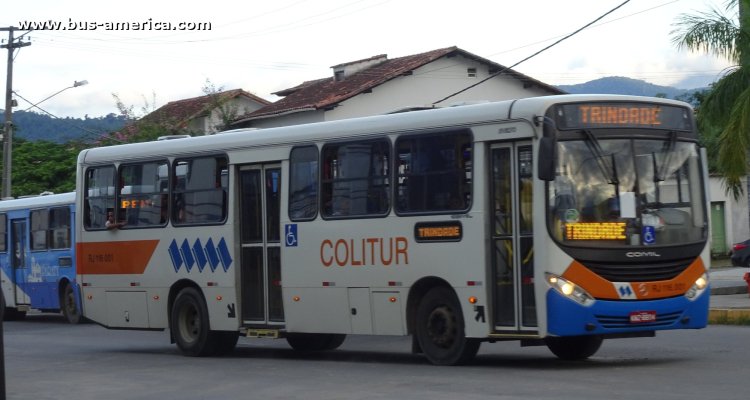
(573, 348)
(69, 305)
(190, 327)
(440, 329)
(315, 341)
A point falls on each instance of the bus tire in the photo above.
(440, 329)
(189, 324)
(69, 305)
(226, 341)
(315, 341)
(573, 348)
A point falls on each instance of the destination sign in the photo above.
(448, 231)
(595, 231)
(622, 115)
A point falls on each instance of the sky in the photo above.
(267, 46)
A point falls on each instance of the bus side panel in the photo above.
(318, 310)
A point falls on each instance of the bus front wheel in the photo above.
(440, 329)
(189, 324)
(574, 348)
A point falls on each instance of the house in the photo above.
(203, 115)
(379, 85)
(729, 216)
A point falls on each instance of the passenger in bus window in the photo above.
(111, 223)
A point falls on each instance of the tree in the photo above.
(226, 111)
(139, 129)
(726, 108)
(42, 166)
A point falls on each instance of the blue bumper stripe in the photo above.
(567, 318)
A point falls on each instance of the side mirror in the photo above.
(546, 159)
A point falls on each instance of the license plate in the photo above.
(640, 317)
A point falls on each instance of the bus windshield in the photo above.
(626, 192)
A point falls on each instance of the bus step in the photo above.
(263, 333)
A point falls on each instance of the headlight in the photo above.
(698, 287)
(569, 289)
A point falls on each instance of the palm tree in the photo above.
(726, 108)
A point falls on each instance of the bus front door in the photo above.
(260, 188)
(18, 261)
(512, 237)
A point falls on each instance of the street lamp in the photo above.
(8, 136)
(75, 84)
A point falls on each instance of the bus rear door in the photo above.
(260, 188)
(512, 247)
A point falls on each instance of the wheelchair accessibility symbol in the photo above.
(290, 235)
(648, 233)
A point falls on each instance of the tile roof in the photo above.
(327, 92)
(180, 112)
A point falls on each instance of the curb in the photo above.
(724, 316)
(729, 290)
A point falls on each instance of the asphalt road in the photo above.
(45, 358)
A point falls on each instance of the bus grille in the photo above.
(621, 322)
(649, 272)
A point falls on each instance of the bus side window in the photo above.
(99, 196)
(434, 173)
(356, 178)
(303, 183)
(200, 190)
(141, 194)
(59, 228)
(38, 229)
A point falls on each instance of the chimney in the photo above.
(341, 71)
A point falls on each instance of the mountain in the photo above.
(33, 127)
(629, 86)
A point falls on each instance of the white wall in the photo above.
(735, 212)
(426, 85)
(431, 83)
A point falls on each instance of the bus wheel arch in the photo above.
(189, 323)
(438, 326)
(417, 291)
(69, 305)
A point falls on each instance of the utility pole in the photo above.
(8, 133)
(7, 150)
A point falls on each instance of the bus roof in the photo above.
(348, 128)
(38, 201)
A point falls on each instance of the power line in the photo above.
(531, 56)
(89, 131)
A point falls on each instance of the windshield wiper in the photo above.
(608, 169)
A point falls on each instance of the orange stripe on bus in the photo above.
(594, 284)
(601, 288)
(116, 258)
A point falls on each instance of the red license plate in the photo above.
(640, 317)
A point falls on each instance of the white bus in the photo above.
(557, 221)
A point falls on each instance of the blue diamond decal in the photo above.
(226, 258)
(213, 257)
(200, 255)
(187, 255)
(174, 253)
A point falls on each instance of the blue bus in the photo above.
(37, 256)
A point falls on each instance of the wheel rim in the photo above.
(442, 327)
(190, 323)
